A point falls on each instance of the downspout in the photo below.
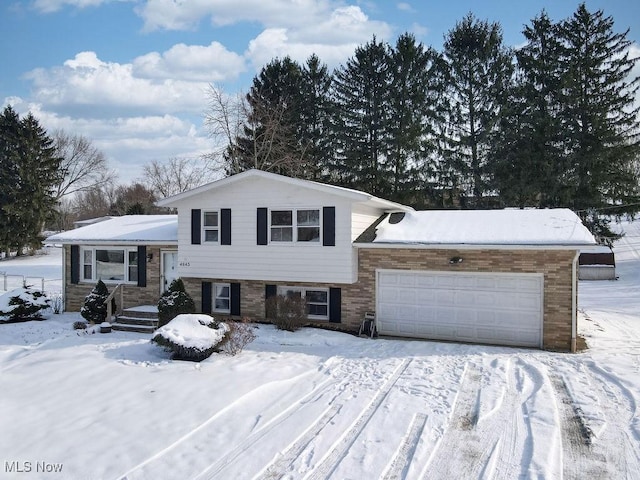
(574, 303)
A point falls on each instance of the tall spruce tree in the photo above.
(270, 139)
(360, 112)
(600, 117)
(314, 119)
(479, 70)
(529, 137)
(413, 98)
(9, 161)
(30, 174)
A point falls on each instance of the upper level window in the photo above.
(308, 225)
(295, 225)
(210, 226)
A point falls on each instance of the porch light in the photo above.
(455, 260)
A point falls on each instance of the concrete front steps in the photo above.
(142, 319)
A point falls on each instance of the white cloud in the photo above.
(98, 87)
(275, 42)
(405, 7)
(333, 39)
(128, 142)
(173, 15)
(50, 6)
(212, 63)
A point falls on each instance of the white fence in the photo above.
(10, 281)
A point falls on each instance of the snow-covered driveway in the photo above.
(317, 404)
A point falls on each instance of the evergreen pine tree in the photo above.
(314, 119)
(600, 117)
(479, 72)
(30, 173)
(9, 161)
(528, 165)
(174, 301)
(270, 139)
(413, 99)
(360, 130)
(94, 309)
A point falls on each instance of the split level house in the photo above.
(506, 277)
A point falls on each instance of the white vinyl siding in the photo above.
(362, 218)
(278, 262)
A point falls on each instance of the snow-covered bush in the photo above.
(79, 325)
(287, 313)
(94, 309)
(191, 336)
(240, 335)
(174, 301)
(23, 304)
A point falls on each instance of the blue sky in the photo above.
(132, 75)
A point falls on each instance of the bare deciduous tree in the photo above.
(93, 203)
(224, 118)
(177, 175)
(83, 166)
(271, 144)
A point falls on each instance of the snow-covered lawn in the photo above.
(316, 404)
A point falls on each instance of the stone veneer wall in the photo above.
(133, 295)
(358, 298)
(556, 265)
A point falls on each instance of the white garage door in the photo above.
(495, 308)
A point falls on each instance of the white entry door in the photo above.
(169, 268)
(494, 308)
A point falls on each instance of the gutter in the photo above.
(470, 246)
(574, 303)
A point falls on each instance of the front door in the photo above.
(169, 268)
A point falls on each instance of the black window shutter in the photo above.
(235, 299)
(262, 226)
(269, 291)
(335, 305)
(225, 226)
(196, 214)
(142, 266)
(206, 297)
(75, 264)
(329, 226)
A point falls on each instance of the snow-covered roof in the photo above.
(355, 195)
(90, 221)
(484, 227)
(596, 249)
(128, 229)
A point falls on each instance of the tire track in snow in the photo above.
(339, 449)
(492, 445)
(283, 462)
(397, 469)
(181, 444)
(464, 416)
(614, 448)
(576, 436)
